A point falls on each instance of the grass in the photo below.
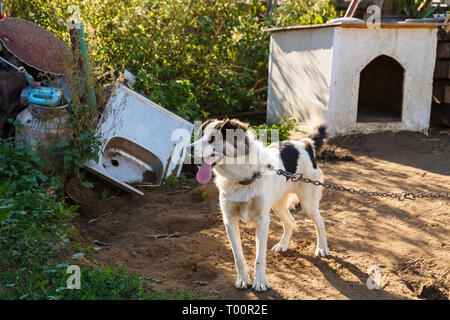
(49, 282)
(36, 247)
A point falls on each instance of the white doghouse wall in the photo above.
(318, 68)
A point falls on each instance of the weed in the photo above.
(106, 193)
(176, 182)
(275, 132)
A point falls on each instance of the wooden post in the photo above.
(352, 8)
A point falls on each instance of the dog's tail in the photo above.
(315, 138)
(318, 136)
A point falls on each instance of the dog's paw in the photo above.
(260, 284)
(322, 252)
(242, 282)
(280, 247)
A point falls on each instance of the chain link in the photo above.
(400, 196)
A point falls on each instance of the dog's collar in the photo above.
(255, 176)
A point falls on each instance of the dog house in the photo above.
(361, 78)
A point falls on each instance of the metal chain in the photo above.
(400, 196)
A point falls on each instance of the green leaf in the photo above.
(87, 184)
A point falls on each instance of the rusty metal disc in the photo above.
(34, 45)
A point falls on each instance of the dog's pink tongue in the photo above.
(204, 174)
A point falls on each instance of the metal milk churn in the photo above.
(44, 121)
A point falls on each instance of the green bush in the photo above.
(410, 8)
(197, 58)
(109, 283)
(304, 12)
(283, 129)
(35, 236)
(19, 169)
(32, 222)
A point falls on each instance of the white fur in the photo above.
(252, 203)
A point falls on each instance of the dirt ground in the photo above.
(178, 237)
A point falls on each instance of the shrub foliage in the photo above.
(197, 58)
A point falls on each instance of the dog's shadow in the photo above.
(350, 289)
(270, 294)
(356, 290)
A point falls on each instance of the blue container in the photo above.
(45, 96)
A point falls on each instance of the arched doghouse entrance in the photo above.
(380, 96)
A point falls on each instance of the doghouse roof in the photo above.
(385, 25)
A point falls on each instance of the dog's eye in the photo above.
(211, 140)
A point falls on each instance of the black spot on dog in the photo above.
(233, 124)
(204, 125)
(289, 155)
(310, 151)
(228, 128)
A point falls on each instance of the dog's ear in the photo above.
(239, 125)
(203, 127)
(226, 124)
(233, 125)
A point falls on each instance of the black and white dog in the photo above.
(249, 187)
